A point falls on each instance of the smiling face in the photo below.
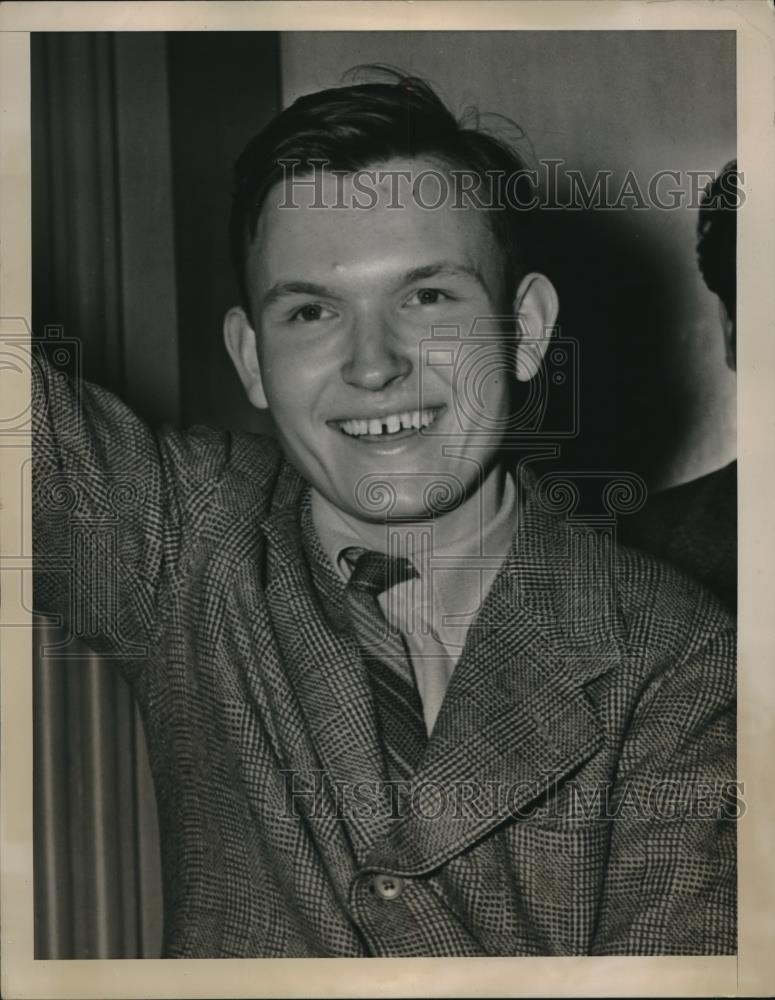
(343, 301)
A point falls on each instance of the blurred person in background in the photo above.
(694, 525)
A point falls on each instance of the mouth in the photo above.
(391, 427)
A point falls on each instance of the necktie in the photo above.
(396, 699)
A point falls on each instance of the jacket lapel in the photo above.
(304, 596)
(518, 716)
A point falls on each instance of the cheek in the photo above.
(287, 377)
(482, 377)
(298, 366)
(296, 393)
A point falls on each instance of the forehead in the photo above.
(396, 213)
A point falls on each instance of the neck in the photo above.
(451, 528)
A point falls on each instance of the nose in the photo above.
(376, 358)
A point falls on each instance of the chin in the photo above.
(379, 497)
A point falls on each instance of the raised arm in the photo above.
(105, 514)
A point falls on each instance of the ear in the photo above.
(535, 308)
(240, 340)
(729, 327)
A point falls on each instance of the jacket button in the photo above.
(388, 886)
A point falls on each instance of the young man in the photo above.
(392, 708)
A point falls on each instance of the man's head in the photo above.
(717, 248)
(344, 281)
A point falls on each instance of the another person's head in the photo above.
(717, 249)
(366, 222)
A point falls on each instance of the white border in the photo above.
(751, 974)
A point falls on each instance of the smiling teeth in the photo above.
(389, 425)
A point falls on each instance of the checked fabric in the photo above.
(394, 690)
(229, 633)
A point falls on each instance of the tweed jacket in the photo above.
(576, 793)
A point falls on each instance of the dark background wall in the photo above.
(134, 139)
(223, 87)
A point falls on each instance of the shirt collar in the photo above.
(483, 526)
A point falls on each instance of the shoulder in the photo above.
(225, 467)
(667, 613)
(575, 576)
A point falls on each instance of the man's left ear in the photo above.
(535, 309)
(729, 327)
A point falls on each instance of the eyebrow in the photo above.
(444, 269)
(283, 289)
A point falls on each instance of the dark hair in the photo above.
(717, 236)
(354, 127)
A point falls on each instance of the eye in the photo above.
(429, 297)
(313, 312)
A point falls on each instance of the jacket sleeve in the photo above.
(105, 515)
(671, 875)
